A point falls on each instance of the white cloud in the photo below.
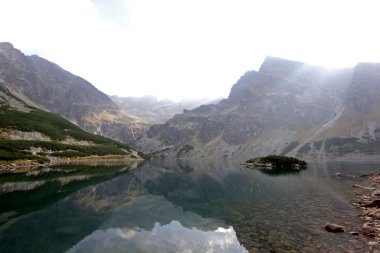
(176, 49)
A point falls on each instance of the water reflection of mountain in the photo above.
(172, 237)
(152, 224)
(272, 172)
(267, 213)
(62, 224)
(116, 203)
(21, 194)
(203, 183)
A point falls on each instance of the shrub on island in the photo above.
(276, 162)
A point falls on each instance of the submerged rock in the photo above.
(334, 228)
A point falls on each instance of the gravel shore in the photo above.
(368, 199)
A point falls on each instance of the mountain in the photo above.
(286, 107)
(29, 136)
(154, 111)
(47, 86)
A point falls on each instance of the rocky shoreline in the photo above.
(21, 166)
(368, 199)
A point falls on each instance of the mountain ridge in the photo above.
(284, 108)
(46, 85)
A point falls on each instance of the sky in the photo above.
(188, 48)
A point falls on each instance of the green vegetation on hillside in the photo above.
(57, 129)
(11, 155)
(49, 124)
(20, 147)
(278, 161)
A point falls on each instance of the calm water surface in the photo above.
(180, 206)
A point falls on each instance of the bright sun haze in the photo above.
(194, 49)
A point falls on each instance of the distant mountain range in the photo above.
(153, 111)
(286, 107)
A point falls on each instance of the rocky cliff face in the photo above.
(355, 133)
(46, 85)
(286, 107)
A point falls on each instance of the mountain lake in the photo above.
(181, 206)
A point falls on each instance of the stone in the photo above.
(375, 214)
(366, 176)
(375, 248)
(354, 233)
(338, 174)
(373, 203)
(334, 228)
(366, 229)
(376, 193)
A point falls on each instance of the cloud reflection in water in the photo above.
(172, 237)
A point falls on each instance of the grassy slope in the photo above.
(57, 129)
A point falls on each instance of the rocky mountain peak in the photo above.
(242, 86)
(7, 50)
(280, 67)
(365, 71)
(6, 46)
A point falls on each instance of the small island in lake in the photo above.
(276, 162)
